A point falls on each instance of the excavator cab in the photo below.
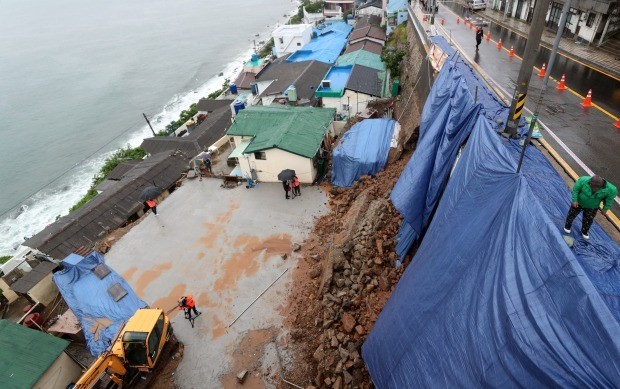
(143, 339)
(137, 349)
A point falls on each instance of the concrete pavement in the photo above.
(224, 246)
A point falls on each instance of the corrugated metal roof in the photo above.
(210, 130)
(298, 130)
(365, 45)
(306, 76)
(110, 209)
(361, 57)
(33, 277)
(122, 168)
(366, 80)
(210, 105)
(368, 32)
(26, 354)
(331, 38)
(245, 79)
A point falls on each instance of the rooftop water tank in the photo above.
(254, 57)
(292, 93)
(238, 106)
(254, 88)
(233, 88)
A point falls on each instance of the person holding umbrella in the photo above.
(286, 176)
(148, 195)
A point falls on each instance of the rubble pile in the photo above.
(346, 277)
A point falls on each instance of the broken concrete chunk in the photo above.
(348, 323)
(284, 256)
(242, 376)
(296, 246)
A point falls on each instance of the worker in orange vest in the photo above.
(187, 304)
(153, 205)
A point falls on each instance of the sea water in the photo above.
(76, 76)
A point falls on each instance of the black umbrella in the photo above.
(286, 174)
(149, 193)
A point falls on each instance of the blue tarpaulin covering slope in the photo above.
(88, 298)
(494, 296)
(364, 149)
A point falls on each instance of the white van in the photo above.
(476, 5)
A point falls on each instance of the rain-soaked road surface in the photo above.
(584, 137)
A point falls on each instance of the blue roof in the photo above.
(396, 5)
(338, 77)
(326, 46)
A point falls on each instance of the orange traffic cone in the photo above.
(543, 71)
(499, 44)
(617, 124)
(458, 20)
(562, 85)
(511, 53)
(587, 102)
(488, 36)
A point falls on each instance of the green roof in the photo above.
(26, 354)
(298, 130)
(361, 57)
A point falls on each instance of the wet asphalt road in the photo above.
(584, 137)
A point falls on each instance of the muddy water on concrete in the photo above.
(247, 356)
(219, 327)
(149, 276)
(214, 227)
(170, 301)
(245, 261)
(129, 273)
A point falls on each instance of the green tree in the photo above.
(119, 156)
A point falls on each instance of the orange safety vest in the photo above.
(151, 203)
(189, 302)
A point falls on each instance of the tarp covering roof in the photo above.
(494, 296)
(25, 354)
(329, 42)
(87, 296)
(361, 57)
(298, 130)
(363, 150)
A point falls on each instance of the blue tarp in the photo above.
(494, 297)
(326, 46)
(363, 150)
(88, 298)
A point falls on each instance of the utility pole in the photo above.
(149, 123)
(525, 73)
(543, 89)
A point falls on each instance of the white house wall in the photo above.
(370, 11)
(357, 102)
(289, 39)
(276, 160)
(60, 374)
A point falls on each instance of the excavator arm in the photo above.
(108, 365)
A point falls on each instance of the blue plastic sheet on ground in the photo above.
(494, 297)
(364, 149)
(88, 298)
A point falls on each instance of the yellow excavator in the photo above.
(139, 348)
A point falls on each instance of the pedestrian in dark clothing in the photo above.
(588, 193)
(287, 187)
(479, 35)
(153, 205)
(187, 304)
(208, 165)
(296, 188)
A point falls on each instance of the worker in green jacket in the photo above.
(588, 193)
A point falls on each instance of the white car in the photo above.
(477, 5)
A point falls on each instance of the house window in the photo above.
(260, 155)
(281, 40)
(590, 21)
